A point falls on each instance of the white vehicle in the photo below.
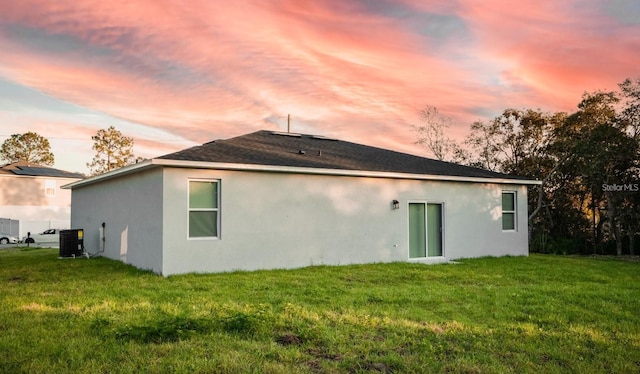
(6, 238)
(49, 237)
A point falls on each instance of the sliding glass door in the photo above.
(417, 231)
(425, 230)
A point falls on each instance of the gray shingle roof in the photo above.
(34, 170)
(309, 151)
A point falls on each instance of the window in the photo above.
(204, 213)
(50, 188)
(508, 210)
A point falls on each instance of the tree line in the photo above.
(112, 150)
(588, 162)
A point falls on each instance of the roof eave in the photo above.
(156, 162)
(335, 172)
(11, 175)
(129, 169)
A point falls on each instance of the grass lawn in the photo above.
(540, 314)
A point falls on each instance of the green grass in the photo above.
(541, 314)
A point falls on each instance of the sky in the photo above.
(172, 74)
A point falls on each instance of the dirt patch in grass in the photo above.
(314, 366)
(289, 339)
(379, 367)
(320, 353)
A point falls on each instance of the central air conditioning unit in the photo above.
(71, 243)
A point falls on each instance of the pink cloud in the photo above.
(556, 49)
(358, 70)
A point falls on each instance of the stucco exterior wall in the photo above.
(24, 198)
(131, 208)
(473, 217)
(275, 220)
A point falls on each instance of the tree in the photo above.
(630, 90)
(613, 155)
(519, 142)
(113, 150)
(431, 135)
(29, 147)
(588, 162)
(630, 212)
(604, 153)
(485, 144)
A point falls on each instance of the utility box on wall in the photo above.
(71, 243)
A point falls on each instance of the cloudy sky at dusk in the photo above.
(174, 73)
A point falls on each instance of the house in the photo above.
(270, 200)
(31, 196)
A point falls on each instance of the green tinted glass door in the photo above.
(417, 231)
(434, 229)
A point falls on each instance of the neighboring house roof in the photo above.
(23, 168)
(311, 154)
(310, 151)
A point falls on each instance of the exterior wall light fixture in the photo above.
(395, 204)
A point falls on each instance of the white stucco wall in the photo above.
(275, 220)
(131, 208)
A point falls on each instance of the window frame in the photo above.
(50, 187)
(513, 212)
(426, 204)
(217, 209)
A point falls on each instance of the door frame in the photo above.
(426, 228)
